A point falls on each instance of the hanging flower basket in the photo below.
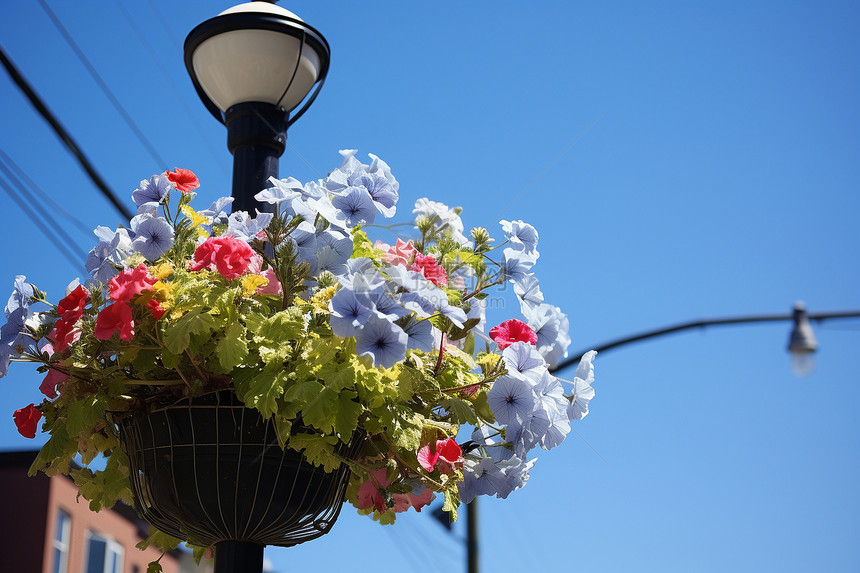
(259, 370)
(209, 469)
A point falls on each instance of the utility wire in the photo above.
(31, 202)
(73, 260)
(166, 26)
(144, 40)
(63, 134)
(54, 205)
(116, 104)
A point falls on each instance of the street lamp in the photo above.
(801, 342)
(253, 65)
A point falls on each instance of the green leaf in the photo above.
(452, 502)
(55, 454)
(482, 407)
(145, 360)
(347, 411)
(160, 540)
(232, 349)
(105, 488)
(170, 360)
(84, 414)
(153, 567)
(461, 411)
(321, 405)
(262, 392)
(318, 450)
(283, 427)
(469, 344)
(177, 336)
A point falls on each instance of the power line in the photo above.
(32, 185)
(165, 25)
(98, 79)
(47, 232)
(64, 136)
(144, 40)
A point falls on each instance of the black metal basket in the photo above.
(208, 469)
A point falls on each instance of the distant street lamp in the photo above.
(252, 65)
(801, 344)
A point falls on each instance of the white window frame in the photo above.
(60, 561)
(113, 557)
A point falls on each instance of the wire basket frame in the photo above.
(208, 469)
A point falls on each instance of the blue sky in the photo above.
(680, 160)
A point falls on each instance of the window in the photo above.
(60, 542)
(103, 554)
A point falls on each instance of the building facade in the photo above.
(46, 529)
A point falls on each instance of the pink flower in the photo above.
(431, 270)
(115, 317)
(512, 331)
(230, 256)
(370, 494)
(52, 381)
(400, 254)
(27, 419)
(130, 283)
(403, 501)
(183, 179)
(274, 285)
(446, 450)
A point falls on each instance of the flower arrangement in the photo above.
(302, 316)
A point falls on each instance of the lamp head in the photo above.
(802, 343)
(256, 52)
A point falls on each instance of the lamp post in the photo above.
(253, 65)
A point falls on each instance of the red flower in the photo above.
(64, 334)
(26, 419)
(129, 283)
(115, 317)
(431, 270)
(446, 450)
(512, 331)
(71, 308)
(52, 380)
(183, 179)
(230, 256)
(155, 307)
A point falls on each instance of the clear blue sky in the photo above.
(680, 160)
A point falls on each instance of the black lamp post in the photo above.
(253, 65)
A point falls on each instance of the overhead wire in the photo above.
(63, 134)
(50, 232)
(45, 197)
(165, 25)
(144, 41)
(102, 85)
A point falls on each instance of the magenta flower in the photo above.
(446, 450)
(511, 331)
